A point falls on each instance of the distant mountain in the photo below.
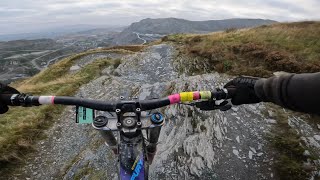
(173, 25)
(27, 36)
(100, 31)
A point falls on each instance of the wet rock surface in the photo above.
(193, 144)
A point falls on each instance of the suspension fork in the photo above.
(108, 136)
(153, 135)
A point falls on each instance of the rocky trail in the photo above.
(193, 144)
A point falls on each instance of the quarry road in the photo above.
(138, 35)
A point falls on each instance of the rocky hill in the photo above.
(165, 26)
(257, 141)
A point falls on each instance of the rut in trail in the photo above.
(193, 144)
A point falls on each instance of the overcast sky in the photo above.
(18, 16)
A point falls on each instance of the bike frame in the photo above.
(134, 150)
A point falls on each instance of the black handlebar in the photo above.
(6, 99)
(25, 100)
(88, 103)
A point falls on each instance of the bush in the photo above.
(230, 30)
(227, 66)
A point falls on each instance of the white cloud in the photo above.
(33, 15)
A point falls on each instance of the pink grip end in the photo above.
(174, 98)
(52, 99)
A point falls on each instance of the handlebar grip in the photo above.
(6, 99)
(220, 94)
(231, 92)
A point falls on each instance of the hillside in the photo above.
(257, 141)
(167, 26)
(289, 47)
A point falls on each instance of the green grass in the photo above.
(84, 171)
(290, 47)
(290, 159)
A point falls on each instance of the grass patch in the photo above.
(59, 69)
(116, 63)
(83, 172)
(290, 47)
(169, 89)
(289, 161)
(21, 127)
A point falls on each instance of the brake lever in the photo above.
(211, 105)
(224, 106)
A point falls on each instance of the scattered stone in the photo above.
(270, 113)
(235, 109)
(101, 94)
(238, 139)
(252, 107)
(250, 154)
(317, 137)
(259, 154)
(236, 152)
(75, 68)
(306, 153)
(271, 121)
(311, 141)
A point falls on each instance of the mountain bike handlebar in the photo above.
(26, 100)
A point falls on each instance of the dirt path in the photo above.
(193, 144)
